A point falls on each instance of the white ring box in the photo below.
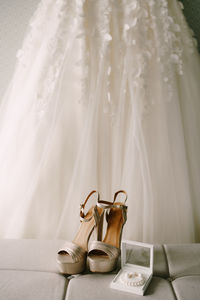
(136, 261)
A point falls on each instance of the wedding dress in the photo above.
(106, 96)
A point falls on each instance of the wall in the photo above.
(192, 13)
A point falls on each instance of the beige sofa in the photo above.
(28, 270)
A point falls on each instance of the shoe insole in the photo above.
(114, 228)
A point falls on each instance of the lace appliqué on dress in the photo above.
(118, 50)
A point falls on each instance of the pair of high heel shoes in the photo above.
(102, 256)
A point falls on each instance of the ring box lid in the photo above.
(137, 255)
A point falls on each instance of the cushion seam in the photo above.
(183, 276)
(173, 290)
(30, 270)
(166, 259)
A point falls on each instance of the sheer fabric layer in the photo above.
(105, 96)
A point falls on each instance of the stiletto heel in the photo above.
(72, 256)
(103, 256)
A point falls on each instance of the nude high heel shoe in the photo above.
(103, 256)
(72, 256)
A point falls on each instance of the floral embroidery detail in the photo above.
(153, 19)
(54, 44)
(55, 47)
(126, 38)
(108, 37)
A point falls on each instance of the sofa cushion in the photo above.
(183, 259)
(160, 265)
(97, 286)
(187, 288)
(28, 270)
(30, 285)
(40, 255)
(35, 255)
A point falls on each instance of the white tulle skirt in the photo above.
(105, 96)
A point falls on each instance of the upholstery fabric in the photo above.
(31, 285)
(96, 286)
(29, 255)
(187, 288)
(160, 267)
(28, 271)
(183, 260)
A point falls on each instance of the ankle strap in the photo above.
(120, 192)
(106, 204)
(82, 206)
(121, 205)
